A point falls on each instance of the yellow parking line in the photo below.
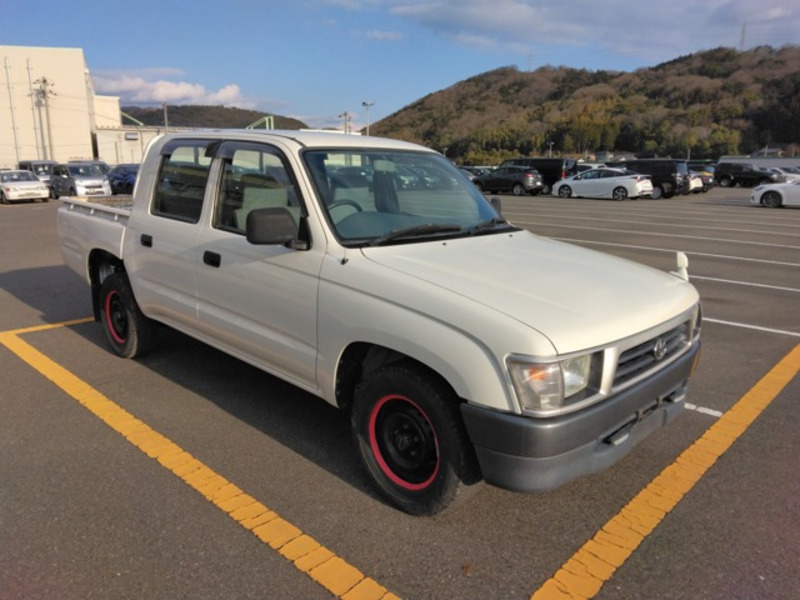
(582, 576)
(304, 552)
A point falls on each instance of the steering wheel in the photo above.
(345, 202)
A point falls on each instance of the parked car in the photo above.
(618, 184)
(784, 174)
(122, 178)
(743, 174)
(669, 176)
(79, 179)
(706, 176)
(40, 168)
(103, 165)
(776, 195)
(22, 185)
(517, 180)
(551, 169)
(695, 183)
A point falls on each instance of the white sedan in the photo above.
(618, 184)
(775, 195)
(22, 185)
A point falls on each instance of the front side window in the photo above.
(374, 197)
(254, 176)
(182, 180)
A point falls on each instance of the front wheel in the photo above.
(127, 330)
(772, 200)
(565, 191)
(408, 429)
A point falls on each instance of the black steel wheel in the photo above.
(411, 439)
(128, 331)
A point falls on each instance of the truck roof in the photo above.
(306, 138)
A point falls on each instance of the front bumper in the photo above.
(524, 454)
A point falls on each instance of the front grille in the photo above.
(651, 354)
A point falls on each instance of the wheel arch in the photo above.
(101, 264)
(360, 359)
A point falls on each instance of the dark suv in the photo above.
(744, 174)
(551, 169)
(670, 176)
(517, 180)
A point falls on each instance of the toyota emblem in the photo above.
(660, 349)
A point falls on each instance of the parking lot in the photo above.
(93, 506)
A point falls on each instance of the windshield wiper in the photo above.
(416, 230)
(490, 225)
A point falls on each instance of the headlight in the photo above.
(543, 388)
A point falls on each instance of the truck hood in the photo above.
(577, 298)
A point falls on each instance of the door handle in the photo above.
(212, 259)
(146, 240)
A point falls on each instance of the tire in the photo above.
(667, 191)
(518, 189)
(129, 333)
(565, 191)
(412, 441)
(657, 193)
(619, 193)
(725, 182)
(771, 199)
(3, 199)
(546, 189)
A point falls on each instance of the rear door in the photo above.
(161, 251)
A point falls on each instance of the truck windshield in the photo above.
(380, 197)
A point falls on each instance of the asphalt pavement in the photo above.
(97, 501)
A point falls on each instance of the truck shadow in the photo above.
(296, 419)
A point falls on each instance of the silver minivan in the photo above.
(79, 179)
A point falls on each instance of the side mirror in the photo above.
(272, 226)
(497, 204)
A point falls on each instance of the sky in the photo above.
(318, 60)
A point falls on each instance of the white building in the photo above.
(49, 110)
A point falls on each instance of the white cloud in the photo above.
(621, 27)
(136, 87)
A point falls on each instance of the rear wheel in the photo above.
(408, 429)
(3, 199)
(565, 191)
(127, 330)
(619, 193)
(518, 189)
(772, 200)
(657, 192)
(725, 182)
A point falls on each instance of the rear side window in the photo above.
(182, 180)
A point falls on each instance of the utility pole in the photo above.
(346, 116)
(367, 105)
(43, 94)
(166, 122)
(11, 105)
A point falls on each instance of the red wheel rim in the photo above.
(404, 443)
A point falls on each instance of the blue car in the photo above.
(122, 178)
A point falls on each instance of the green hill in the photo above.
(706, 104)
(207, 116)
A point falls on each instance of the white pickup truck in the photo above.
(372, 274)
